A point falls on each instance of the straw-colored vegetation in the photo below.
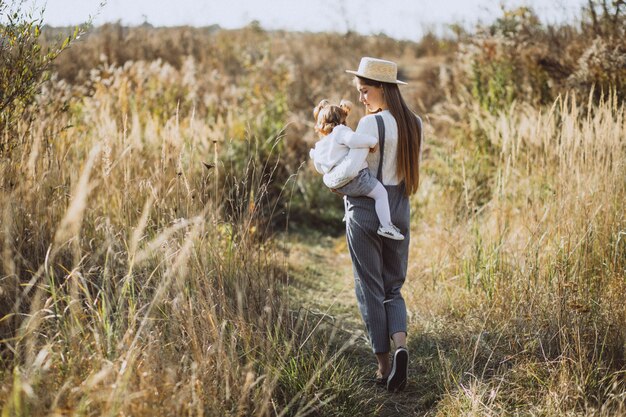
(165, 246)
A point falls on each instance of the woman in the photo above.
(380, 264)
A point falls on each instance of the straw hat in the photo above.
(378, 70)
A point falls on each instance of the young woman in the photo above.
(336, 141)
(379, 264)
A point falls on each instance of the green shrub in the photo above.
(24, 65)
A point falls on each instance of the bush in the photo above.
(24, 66)
(518, 59)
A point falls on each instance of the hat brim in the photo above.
(375, 79)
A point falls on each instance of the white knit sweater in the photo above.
(368, 126)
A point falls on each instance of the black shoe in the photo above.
(399, 370)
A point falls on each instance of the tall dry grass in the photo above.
(520, 295)
(139, 275)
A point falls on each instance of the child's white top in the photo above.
(334, 147)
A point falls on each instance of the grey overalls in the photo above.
(379, 264)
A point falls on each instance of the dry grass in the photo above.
(139, 276)
(141, 272)
(521, 298)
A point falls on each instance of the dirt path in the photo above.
(324, 287)
(323, 284)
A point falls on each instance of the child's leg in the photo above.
(381, 204)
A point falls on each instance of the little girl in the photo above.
(336, 141)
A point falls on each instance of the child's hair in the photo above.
(327, 115)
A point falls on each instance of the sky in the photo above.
(402, 19)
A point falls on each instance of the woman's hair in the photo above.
(327, 115)
(409, 134)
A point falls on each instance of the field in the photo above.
(166, 247)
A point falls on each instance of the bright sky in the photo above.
(405, 19)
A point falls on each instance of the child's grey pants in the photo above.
(379, 265)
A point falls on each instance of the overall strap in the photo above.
(381, 142)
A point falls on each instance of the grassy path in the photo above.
(323, 287)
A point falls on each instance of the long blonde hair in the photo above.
(409, 134)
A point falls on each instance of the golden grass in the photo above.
(524, 295)
(140, 275)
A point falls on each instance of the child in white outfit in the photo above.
(336, 141)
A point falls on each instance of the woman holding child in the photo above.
(380, 263)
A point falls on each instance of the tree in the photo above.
(607, 17)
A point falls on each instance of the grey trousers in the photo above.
(379, 265)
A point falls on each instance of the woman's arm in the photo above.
(358, 140)
(347, 169)
(353, 140)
